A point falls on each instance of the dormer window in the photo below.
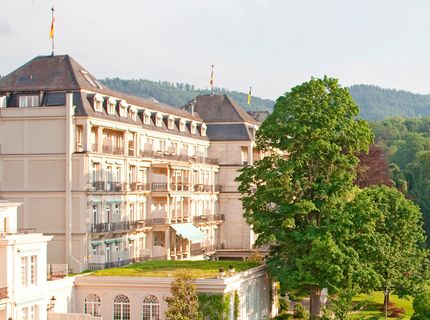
(171, 123)
(203, 130)
(182, 125)
(28, 101)
(111, 106)
(133, 113)
(147, 117)
(98, 103)
(158, 120)
(193, 127)
(123, 109)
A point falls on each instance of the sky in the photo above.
(272, 45)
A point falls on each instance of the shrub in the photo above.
(283, 305)
(300, 312)
(421, 306)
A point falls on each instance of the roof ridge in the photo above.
(72, 71)
(235, 107)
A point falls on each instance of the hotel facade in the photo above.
(117, 179)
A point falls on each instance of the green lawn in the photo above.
(160, 268)
(376, 301)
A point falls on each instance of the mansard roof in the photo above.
(219, 108)
(63, 73)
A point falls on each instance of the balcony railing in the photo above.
(203, 188)
(180, 186)
(9, 231)
(159, 186)
(3, 293)
(121, 225)
(158, 221)
(98, 262)
(178, 157)
(110, 186)
(106, 148)
(208, 218)
(138, 186)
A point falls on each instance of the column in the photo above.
(99, 140)
(86, 136)
(125, 139)
(167, 242)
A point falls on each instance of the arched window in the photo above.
(151, 308)
(121, 308)
(92, 305)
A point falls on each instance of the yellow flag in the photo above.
(249, 96)
(51, 32)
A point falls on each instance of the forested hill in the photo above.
(377, 103)
(178, 94)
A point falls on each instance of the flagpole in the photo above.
(212, 81)
(53, 35)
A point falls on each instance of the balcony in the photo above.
(3, 293)
(180, 186)
(203, 188)
(159, 221)
(138, 186)
(159, 186)
(208, 218)
(178, 157)
(109, 186)
(121, 225)
(106, 148)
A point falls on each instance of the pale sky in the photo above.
(269, 44)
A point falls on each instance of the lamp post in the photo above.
(51, 304)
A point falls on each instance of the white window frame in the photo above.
(159, 120)
(92, 305)
(124, 308)
(182, 125)
(193, 127)
(123, 109)
(203, 130)
(150, 308)
(171, 123)
(147, 117)
(98, 103)
(28, 101)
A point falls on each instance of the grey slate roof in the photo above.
(59, 74)
(229, 132)
(219, 108)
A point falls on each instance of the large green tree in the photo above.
(389, 237)
(290, 202)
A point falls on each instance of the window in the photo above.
(92, 305)
(171, 123)
(244, 155)
(33, 270)
(151, 308)
(117, 210)
(28, 101)
(203, 130)
(95, 214)
(121, 308)
(98, 103)
(158, 120)
(24, 267)
(108, 216)
(123, 109)
(30, 313)
(131, 213)
(146, 117)
(133, 113)
(193, 127)
(28, 271)
(182, 125)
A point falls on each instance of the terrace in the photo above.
(167, 268)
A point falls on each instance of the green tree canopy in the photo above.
(389, 238)
(291, 203)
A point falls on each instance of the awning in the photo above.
(110, 241)
(96, 243)
(189, 231)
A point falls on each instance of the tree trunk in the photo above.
(386, 301)
(314, 303)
